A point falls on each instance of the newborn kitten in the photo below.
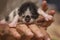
(27, 13)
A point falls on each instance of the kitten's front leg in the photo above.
(47, 16)
(14, 22)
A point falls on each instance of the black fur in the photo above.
(32, 7)
(7, 18)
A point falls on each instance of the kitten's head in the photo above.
(28, 12)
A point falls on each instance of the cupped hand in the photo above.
(32, 32)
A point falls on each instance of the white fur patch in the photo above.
(27, 12)
(47, 16)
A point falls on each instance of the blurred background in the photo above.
(6, 6)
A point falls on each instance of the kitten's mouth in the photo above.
(24, 22)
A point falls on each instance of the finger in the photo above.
(47, 37)
(37, 39)
(36, 31)
(3, 29)
(14, 33)
(44, 5)
(26, 31)
(34, 38)
(24, 37)
(52, 12)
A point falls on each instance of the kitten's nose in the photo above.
(27, 18)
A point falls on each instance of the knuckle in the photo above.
(48, 38)
(18, 36)
(40, 36)
(30, 35)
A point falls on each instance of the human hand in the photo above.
(32, 30)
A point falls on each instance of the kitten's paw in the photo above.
(48, 17)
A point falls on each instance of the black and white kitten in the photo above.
(28, 12)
